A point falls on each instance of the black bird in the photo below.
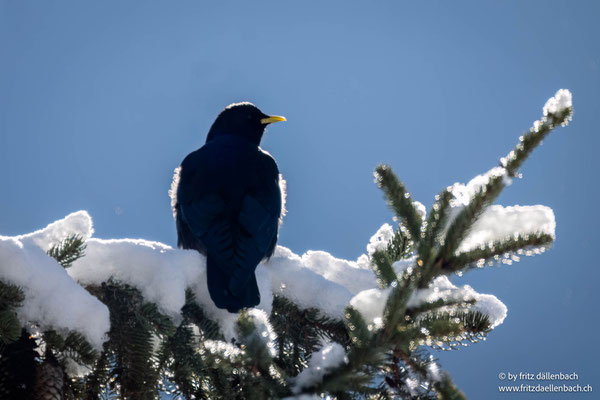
(227, 204)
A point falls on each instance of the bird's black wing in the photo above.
(234, 243)
(257, 223)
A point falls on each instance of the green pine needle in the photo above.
(193, 313)
(447, 390)
(382, 267)
(399, 199)
(360, 335)
(531, 139)
(68, 250)
(459, 229)
(10, 328)
(481, 256)
(11, 296)
(400, 246)
(429, 244)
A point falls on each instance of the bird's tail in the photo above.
(218, 281)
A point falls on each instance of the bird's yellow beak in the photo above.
(271, 119)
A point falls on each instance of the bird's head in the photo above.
(242, 119)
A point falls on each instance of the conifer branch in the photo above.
(439, 325)
(134, 325)
(258, 356)
(99, 378)
(400, 246)
(399, 199)
(9, 327)
(360, 335)
(447, 390)
(459, 228)
(299, 333)
(397, 301)
(193, 313)
(73, 346)
(482, 255)
(179, 356)
(428, 245)
(324, 327)
(403, 366)
(490, 191)
(11, 297)
(531, 139)
(68, 250)
(382, 267)
(414, 312)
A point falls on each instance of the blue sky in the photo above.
(100, 101)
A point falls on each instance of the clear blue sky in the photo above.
(100, 101)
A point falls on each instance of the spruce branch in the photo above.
(414, 312)
(324, 327)
(223, 372)
(436, 221)
(10, 328)
(255, 347)
(11, 297)
(399, 199)
(531, 139)
(459, 228)
(73, 346)
(355, 376)
(447, 390)
(68, 250)
(449, 324)
(300, 332)
(99, 378)
(193, 313)
(258, 353)
(382, 267)
(359, 332)
(400, 246)
(416, 365)
(179, 359)
(461, 225)
(429, 243)
(134, 326)
(482, 255)
(395, 307)
(475, 322)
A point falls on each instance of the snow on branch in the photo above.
(329, 357)
(53, 300)
(56, 299)
(562, 100)
(497, 222)
(371, 303)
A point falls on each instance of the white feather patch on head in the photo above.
(241, 103)
(173, 190)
